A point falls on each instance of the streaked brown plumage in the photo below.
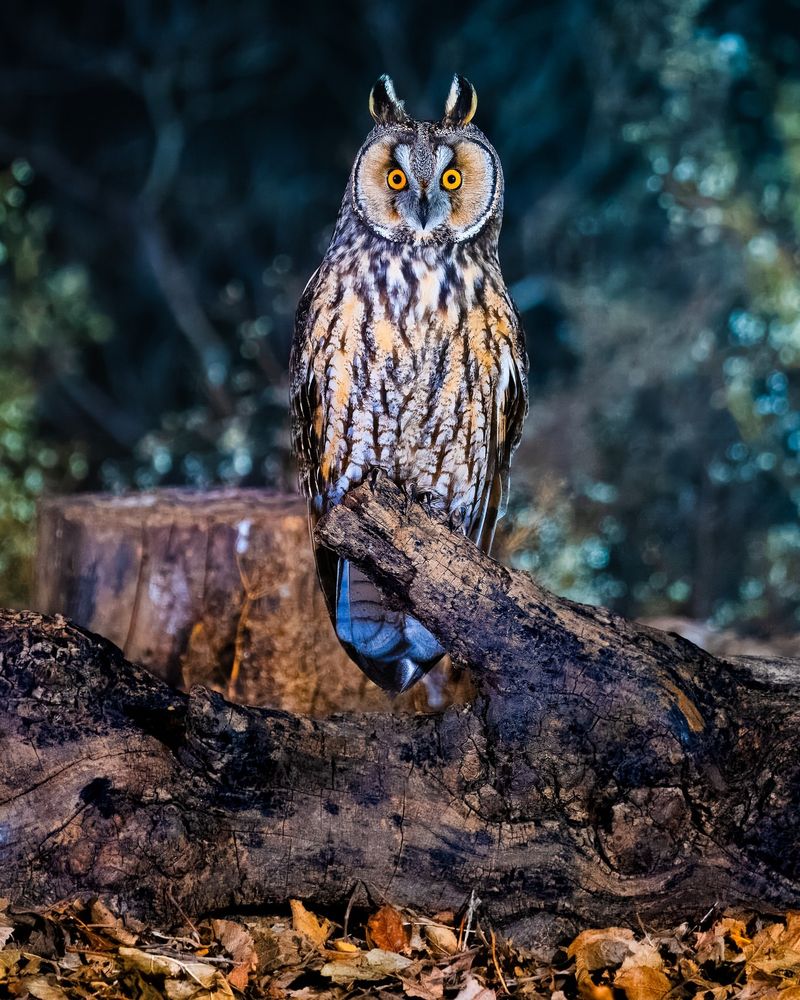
(409, 355)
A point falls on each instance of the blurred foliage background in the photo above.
(171, 175)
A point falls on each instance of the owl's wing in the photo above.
(305, 403)
(506, 431)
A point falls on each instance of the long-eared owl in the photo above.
(409, 356)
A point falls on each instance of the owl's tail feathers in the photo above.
(392, 648)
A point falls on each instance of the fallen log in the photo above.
(606, 772)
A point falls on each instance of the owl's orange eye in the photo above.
(396, 179)
(451, 179)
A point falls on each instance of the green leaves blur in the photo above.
(46, 319)
(679, 491)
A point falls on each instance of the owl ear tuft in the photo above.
(384, 105)
(461, 104)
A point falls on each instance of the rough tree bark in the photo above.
(209, 587)
(606, 771)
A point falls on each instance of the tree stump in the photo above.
(217, 588)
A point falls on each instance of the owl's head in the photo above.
(423, 182)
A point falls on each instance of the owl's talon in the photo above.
(416, 494)
(429, 500)
(457, 519)
(374, 476)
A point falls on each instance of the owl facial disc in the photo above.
(426, 182)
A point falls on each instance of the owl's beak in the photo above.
(423, 210)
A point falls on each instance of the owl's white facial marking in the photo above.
(424, 204)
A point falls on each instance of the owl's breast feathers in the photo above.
(411, 360)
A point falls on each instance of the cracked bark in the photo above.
(217, 588)
(605, 772)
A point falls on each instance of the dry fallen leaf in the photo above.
(774, 956)
(475, 990)
(429, 985)
(642, 982)
(791, 936)
(182, 989)
(443, 939)
(599, 949)
(113, 926)
(373, 964)
(6, 930)
(186, 989)
(345, 946)
(9, 957)
(161, 965)
(6, 924)
(310, 925)
(43, 989)
(238, 943)
(642, 953)
(780, 961)
(710, 944)
(385, 930)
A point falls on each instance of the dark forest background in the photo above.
(170, 175)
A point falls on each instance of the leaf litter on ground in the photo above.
(82, 949)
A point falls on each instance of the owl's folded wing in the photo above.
(506, 431)
(305, 403)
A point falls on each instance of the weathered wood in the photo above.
(210, 587)
(606, 772)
